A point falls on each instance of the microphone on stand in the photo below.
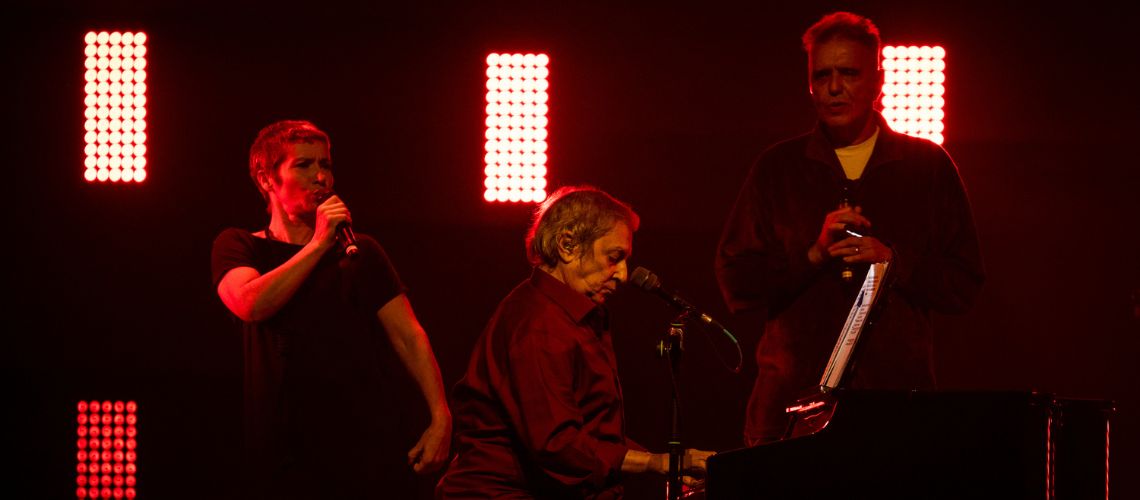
(344, 234)
(647, 281)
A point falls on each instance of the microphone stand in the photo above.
(672, 346)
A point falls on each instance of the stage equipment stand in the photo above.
(671, 347)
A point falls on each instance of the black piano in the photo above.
(926, 445)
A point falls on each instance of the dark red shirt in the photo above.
(539, 411)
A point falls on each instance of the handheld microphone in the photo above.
(347, 238)
(847, 272)
(344, 234)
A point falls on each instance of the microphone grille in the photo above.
(644, 279)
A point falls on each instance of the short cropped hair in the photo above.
(272, 145)
(588, 213)
(843, 25)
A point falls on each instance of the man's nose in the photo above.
(834, 84)
(323, 178)
(622, 274)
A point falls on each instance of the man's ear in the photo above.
(263, 181)
(567, 250)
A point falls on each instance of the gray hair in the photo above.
(586, 212)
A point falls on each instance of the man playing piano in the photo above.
(539, 412)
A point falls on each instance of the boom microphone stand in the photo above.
(672, 346)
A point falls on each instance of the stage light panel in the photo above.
(114, 106)
(107, 463)
(516, 118)
(914, 90)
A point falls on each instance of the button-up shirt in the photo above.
(539, 411)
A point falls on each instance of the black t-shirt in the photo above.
(313, 378)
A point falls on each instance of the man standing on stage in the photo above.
(784, 249)
(539, 412)
(314, 320)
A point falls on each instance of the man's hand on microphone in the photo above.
(866, 249)
(832, 233)
(330, 214)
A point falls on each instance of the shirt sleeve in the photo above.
(232, 248)
(543, 366)
(948, 277)
(376, 277)
(754, 269)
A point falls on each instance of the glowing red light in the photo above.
(913, 90)
(516, 127)
(115, 107)
(101, 458)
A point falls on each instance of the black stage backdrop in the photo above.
(665, 106)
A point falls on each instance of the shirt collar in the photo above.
(888, 147)
(576, 304)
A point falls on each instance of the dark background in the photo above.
(664, 106)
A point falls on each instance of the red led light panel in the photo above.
(515, 151)
(114, 122)
(914, 90)
(106, 460)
